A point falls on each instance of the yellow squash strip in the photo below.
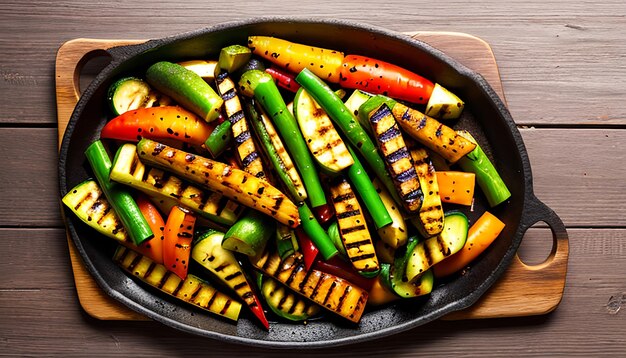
(397, 158)
(456, 187)
(233, 183)
(431, 133)
(325, 63)
(247, 153)
(395, 234)
(129, 170)
(430, 219)
(204, 69)
(331, 292)
(191, 290)
(353, 228)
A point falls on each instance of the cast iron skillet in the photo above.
(485, 116)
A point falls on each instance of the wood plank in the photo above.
(538, 44)
(568, 183)
(596, 274)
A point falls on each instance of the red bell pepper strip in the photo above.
(152, 248)
(284, 79)
(169, 122)
(381, 77)
(307, 247)
(178, 235)
(324, 213)
(340, 268)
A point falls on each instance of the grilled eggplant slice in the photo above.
(231, 182)
(429, 222)
(353, 229)
(436, 249)
(320, 135)
(246, 149)
(192, 290)
(129, 170)
(397, 157)
(331, 292)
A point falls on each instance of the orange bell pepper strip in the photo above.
(178, 235)
(152, 248)
(456, 187)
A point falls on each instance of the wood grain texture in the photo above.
(40, 296)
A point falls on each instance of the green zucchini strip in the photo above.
(122, 202)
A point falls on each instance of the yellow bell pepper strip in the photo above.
(480, 235)
(456, 187)
(261, 85)
(349, 125)
(295, 57)
(233, 183)
(487, 176)
(122, 202)
(169, 122)
(178, 235)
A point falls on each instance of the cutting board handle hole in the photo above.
(538, 245)
(88, 68)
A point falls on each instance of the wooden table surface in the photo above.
(563, 68)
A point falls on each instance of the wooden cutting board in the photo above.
(522, 291)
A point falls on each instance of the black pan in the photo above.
(485, 116)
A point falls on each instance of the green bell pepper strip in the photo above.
(262, 86)
(122, 202)
(363, 185)
(335, 237)
(316, 233)
(220, 139)
(348, 123)
(487, 176)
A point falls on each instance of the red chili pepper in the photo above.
(381, 77)
(284, 79)
(178, 235)
(307, 247)
(152, 248)
(169, 122)
(340, 268)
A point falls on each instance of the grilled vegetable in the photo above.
(129, 170)
(221, 263)
(320, 135)
(249, 234)
(398, 279)
(233, 57)
(431, 133)
(171, 122)
(397, 157)
(444, 104)
(342, 269)
(286, 241)
(316, 232)
(284, 79)
(456, 187)
(306, 247)
(436, 249)
(186, 88)
(381, 77)
(245, 147)
(335, 237)
(152, 248)
(131, 93)
(384, 252)
(380, 294)
(220, 139)
(430, 219)
(333, 293)
(262, 86)
(295, 57)
(484, 232)
(191, 290)
(395, 234)
(347, 123)
(275, 151)
(487, 176)
(178, 235)
(283, 302)
(202, 68)
(368, 193)
(121, 201)
(232, 183)
(353, 103)
(353, 229)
